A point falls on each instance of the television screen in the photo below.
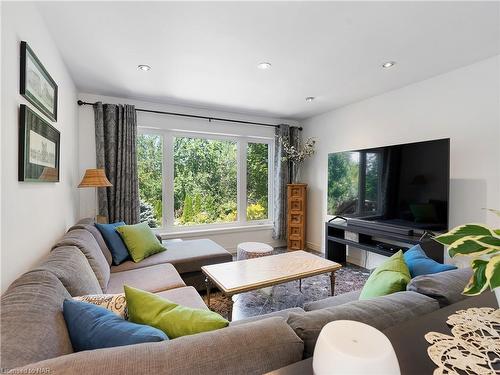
(405, 185)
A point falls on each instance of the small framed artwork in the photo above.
(36, 85)
(39, 148)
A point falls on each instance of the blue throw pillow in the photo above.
(420, 264)
(119, 251)
(94, 327)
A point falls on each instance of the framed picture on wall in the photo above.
(36, 85)
(39, 148)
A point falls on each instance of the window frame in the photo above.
(168, 218)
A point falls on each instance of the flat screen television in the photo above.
(404, 185)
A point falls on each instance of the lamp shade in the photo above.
(349, 347)
(94, 178)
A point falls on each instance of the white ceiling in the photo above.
(205, 53)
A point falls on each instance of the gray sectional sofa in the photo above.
(34, 335)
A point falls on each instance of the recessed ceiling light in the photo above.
(143, 67)
(389, 64)
(264, 65)
(310, 99)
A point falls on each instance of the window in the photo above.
(149, 168)
(195, 179)
(257, 181)
(205, 181)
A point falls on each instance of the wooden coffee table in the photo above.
(251, 274)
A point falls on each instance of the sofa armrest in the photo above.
(253, 348)
(281, 313)
(333, 301)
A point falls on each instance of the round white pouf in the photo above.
(249, 250)
(348, 347)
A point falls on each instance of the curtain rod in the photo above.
(80, 102)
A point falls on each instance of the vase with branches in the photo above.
(482, 245)
(296, 154)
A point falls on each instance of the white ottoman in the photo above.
(249, 250)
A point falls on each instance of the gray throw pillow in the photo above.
(446, 287)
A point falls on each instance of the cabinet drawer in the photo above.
(296, 191)
(295, 244)
(295, 231)
(295, 218)
(296, 204)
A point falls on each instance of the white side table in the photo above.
(249, 250)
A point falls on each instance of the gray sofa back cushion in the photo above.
(33, 326)
(88, 224)
(380, 312)
(254, 349)
(85, 241)
(446, 287)
(73, 269)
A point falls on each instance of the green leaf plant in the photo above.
(482, 244)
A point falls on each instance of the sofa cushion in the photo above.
(85, 241)
(89, 225)
(173, 319)
(33, 327)
(333, 301)
(380, 312)
(446, 287)
(152, 279)
(185, 296)
(390, 277)
(115, 303)
(420, 264)
(94, 327)
(140, 240)
(186, 256)
(116, 246)
(71, 267)
(251, 349)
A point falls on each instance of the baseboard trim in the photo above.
(274, 244)
(314, 246)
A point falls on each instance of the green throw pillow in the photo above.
(140, 240)
(390, 277)
(173, 319)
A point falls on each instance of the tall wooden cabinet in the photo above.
(296, 221)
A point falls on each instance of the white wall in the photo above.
(462, 105)
(226, 238)
(34, 215)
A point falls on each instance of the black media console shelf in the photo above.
(336, 243)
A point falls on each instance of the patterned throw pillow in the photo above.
(113, 302)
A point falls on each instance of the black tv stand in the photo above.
(374, 240)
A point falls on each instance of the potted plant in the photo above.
(482, 244)
(296, 154)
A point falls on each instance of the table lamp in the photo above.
(349, 347)
(95, 178)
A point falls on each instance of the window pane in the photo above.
(257, 181)
(205, 181)
(149, 168)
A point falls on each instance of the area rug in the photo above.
(280, 297)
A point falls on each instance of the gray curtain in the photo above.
(115, 138)
(283, 175)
